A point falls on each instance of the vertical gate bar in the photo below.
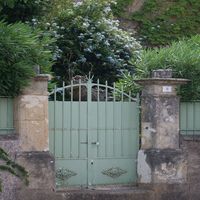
(114, 90)
(8, 114)
(88, 179)
(7, 124)
(54, 135)
(106, 150)
(193, 105)
(0, 114)
(63, 109)
(106, 91)
(79, 118)
(71, 102)
(98, 116)
(138, 122)
(89, 86)
(129, 96)
(98, 90)
(72, 92)
(122, 94)
(11, 113)
(79, 91)
(186, 119)
(122, 100)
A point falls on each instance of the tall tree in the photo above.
(89, 40)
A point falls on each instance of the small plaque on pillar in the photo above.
(167, 89)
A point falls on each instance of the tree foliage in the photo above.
(161, 22)
(120, 7)
(21, 48)
(182, 57)
(90, 40)
(23, 10)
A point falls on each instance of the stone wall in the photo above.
(191, 149)
(166, 166)
(29, 145)
(9, 182)
(169, 188)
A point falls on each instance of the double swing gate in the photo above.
(94, 134)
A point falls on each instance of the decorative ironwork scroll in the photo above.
(64, 174)
(114, 172)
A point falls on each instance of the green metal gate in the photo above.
(94, 134)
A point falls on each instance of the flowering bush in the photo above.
(89, 40)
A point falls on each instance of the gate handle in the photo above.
(84, 142)
(96, 143)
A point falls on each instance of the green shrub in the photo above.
(90, 40)
(23, 10)
(182, 57)
(120, 6)
(21, 49)
(8, 3)
(161, 22)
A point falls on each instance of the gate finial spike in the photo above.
(89, 75)
(89, 78)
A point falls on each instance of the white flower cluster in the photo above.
(90, 34)
(105, 34)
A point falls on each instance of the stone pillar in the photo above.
(31, 116)
(31, 126)
(160, 160)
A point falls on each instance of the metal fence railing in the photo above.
(6, 115)
(190, 118)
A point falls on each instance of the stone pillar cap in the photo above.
(161, 73)
(42, 77)
(162, 77)
(162, 81)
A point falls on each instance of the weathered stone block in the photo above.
(111, 194)
(37, 86)
(162, 166)
(41, 169)
(160, 110)
(160, 122)
(31, 116)
(39, 194)
(33, 136)
(161, 73)
(171, 191)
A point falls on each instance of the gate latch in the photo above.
(84, 142)
(96, 143)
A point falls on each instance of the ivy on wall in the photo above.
(162, 22)
(118, 9)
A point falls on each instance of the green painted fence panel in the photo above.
(113, 151)
(190, 118)
(6, 115)
(94, 142)
(68, 141)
